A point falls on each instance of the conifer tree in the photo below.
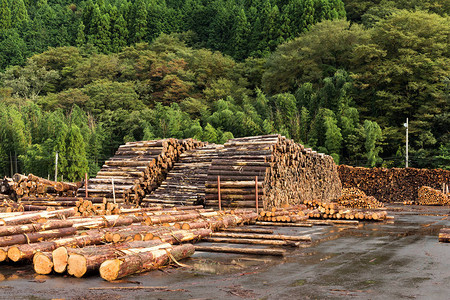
(76, 154)
(5, 15)
(19, 13)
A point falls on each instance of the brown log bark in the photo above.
(36, 236)
(253, 251)
(35, 227)
(143, 261)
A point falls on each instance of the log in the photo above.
(253, 242)
(259, 223)
(253, 251)
(35, 227)
(143, 261)
(27, 251)
(43, 263)
(36, 236)
(32, 217)
(249, 230)
(83, 261)
(305, 238)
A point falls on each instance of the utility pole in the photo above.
(56, 166)
(406, 125)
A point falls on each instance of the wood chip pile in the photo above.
(285, 173)
(355, 198)
(392, 185)
(137, 168)
(185, 183)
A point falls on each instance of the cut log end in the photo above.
(42, 263)
(3, 255)
(14, 254)
(109, 270)
(76, 265)
(60, 257)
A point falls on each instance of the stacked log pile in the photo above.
(61, 242)
(34, 186)
(430, 196)
(185, 183)
(444, 235)
(283, 172)
(392, 185)
(291, 214)
(322, 210)
(6, 186)
(355, 198)
(136, 168)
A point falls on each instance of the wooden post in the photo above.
(86, 184)
(218, 191)
(256, 193)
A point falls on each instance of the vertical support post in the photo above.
(56, 166)
(256, 194)
(407, 159)
(218, 192)
(114, 190)
(15, 159)
(10, 159)
(86, 184)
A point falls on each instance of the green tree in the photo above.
(19, 14)
(75, 155)
(373, 136)
(5, 15)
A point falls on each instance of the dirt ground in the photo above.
(397, 260)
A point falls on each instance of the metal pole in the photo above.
(218, 191)
(10, 159)
(256, 192)
(407, 142)
(15, 159)
(56, 166)
(86, 184)
(114, 191)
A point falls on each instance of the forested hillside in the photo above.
(80, 78)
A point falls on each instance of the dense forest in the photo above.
(80, 78)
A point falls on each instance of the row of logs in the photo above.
(392, 185)
(444, 235)
(114, 245)
(270, 170)
(430, 196)
(33, 186)
(136, 169)
(185, 183)
(355, 198)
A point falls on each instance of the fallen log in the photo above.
(143, 261)
(253, 251)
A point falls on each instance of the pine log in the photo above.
(252, 241)
(143, 261)
(305, 238)
(43, 263)
(253, 251)
(36, 236)
(249, 230)
(35, 227)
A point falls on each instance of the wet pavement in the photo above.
(395, 260)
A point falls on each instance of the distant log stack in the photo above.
(185, 183)
(430, 196)
(444, 235)
(355, 198)
(392, 185)
(136, 169)
(320, 210)
(285, 173)
(34, 186)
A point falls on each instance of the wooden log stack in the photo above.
(392, 185)
(61, 242)
(355, 198)
(185, 183)
(430, 196)
(285, 173)
(136, 168)
(444, 235)
(34, 186)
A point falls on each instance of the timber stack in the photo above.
(115, 245)
(34, 186)
(331, 210)
(185, 183)
(355, 198)
(137, 168)
(392, 185)
(444, 235)
(290, 214)
(275, 170)
(430, 196)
